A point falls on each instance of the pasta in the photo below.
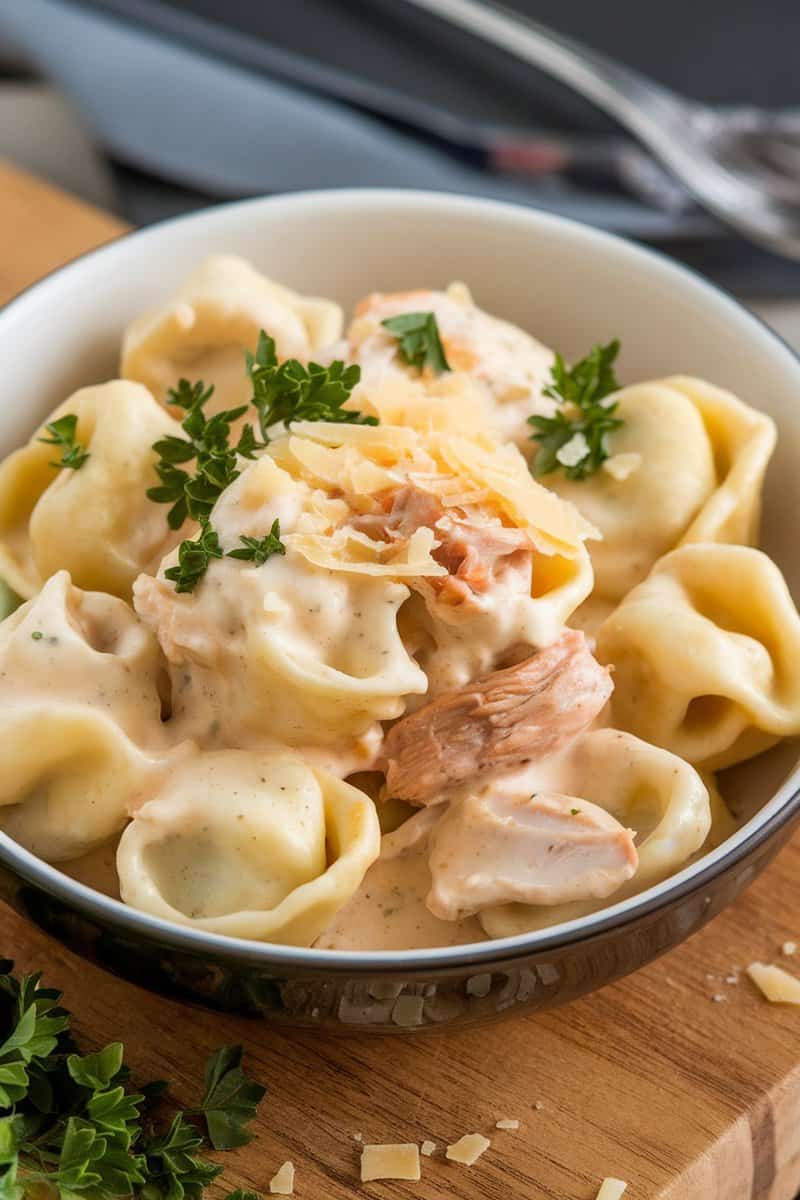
(213, 318)
(81, 741)
(249, 846)
(507, 366)
(687, 465)
(96, 522)
(437, 638)
(706, 655)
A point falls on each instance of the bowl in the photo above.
(571, 286)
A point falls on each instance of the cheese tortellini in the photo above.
(687, 465)
(706, 655)
(204, 330)
(81, 741)
(95, 522)
(249, 846)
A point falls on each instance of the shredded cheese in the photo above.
(282, 1184)
(427, 1148)
(392, 1161)
(611, 1189)
(622, 466)
(777, 985)
(468, 1149)
(507, 1123)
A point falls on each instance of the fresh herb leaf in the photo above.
(174, 1166)
(419, 342)
(95, 1071)
(575, 437)
(230, 1100)
(241, 1194)
(92, 1144)
(62, 434)
(207, 444)
(194, 557)
(289, 391)
(258, 550)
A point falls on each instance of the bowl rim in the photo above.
(779, 810)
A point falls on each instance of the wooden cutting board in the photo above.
(676, 1080)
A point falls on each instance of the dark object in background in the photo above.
(273, 68)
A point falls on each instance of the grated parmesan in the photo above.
(468, 1149)
(400, 1161)
(776, 984)
(507, 1123)
(282, 1184)
(428, 1148)
(622, 466)
(611, 1189)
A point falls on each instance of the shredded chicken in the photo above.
(523, 712)
(543, 849)
(475, 554)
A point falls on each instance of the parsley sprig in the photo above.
(420, 344)
(207, 444)
(194, 556)
(70, 1128)
(575, 437)
(258, 550)
(289, 391)
(62, 434)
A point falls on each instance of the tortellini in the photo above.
(249, 845)
(687, 465)
(653, 792)
(287, 653)
(507, 366)
(706, 655)
(81, 740)
(217, 314)
(95, 522)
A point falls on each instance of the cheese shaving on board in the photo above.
(468, 1149)
(390, 1161)
(282, 1183)
(777, 985)
(611, 1189)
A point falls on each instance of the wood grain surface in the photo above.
(683, 1084)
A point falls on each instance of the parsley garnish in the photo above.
(193, 560)
(289, 391)
(69, 1128)
(575, 438)
(258, 550)
(207, 444)
(62, 434)
(420, 344)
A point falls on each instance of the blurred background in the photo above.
(155, 107)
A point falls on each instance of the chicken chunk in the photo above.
(523, 712)
(543, 849)
(477, 552)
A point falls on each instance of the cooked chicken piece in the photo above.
(508, 364)
(520, 713)
(475, 552)
(543, 849)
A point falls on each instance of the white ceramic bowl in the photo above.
(569, 285)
